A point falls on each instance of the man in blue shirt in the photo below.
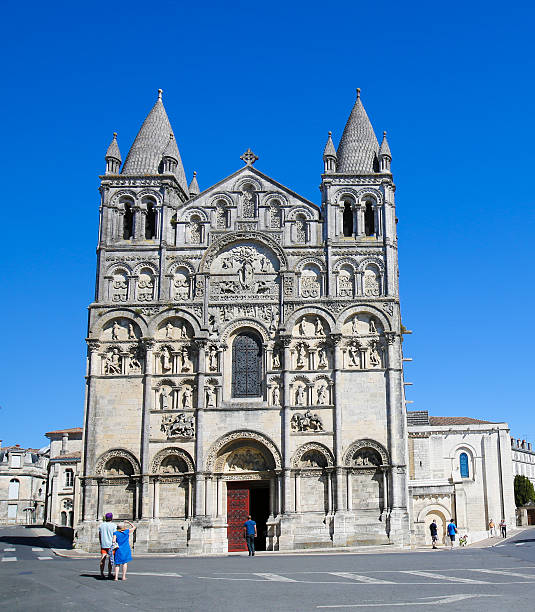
(452, 530)
(249, 531)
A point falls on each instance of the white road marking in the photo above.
(443, 577)
(520, 544)
(168, 574)
(44, 558)
(274, 577)
(426, 601)
(359, 578)
(9, 558)
(9, 550)
(37, 549)
(505, 573)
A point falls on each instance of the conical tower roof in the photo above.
(329, 150)
(171, 149)
(113, 149)
(194, 186)
(385, 149)
(146, 153)
(358, 148)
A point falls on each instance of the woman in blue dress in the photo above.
(122, 554)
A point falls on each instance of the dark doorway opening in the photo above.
(244, 498)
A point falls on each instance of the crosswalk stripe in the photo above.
(9, 550)
(37, 549)
(9, 558)
(443, 577)
(360, 578)
(44, 558)
(274, 577)
(505, 573)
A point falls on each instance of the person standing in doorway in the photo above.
(434, 533)
(503, 528)
(492, 528)
(249, 531)
(105, 536)
(452, 530)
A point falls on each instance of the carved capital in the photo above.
(148, 343)
(390, 336)
(93, 344)
(335, 339)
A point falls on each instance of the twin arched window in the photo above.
(464, 465)
(246, 366)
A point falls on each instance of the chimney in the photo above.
(64, 440)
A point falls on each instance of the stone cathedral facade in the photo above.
(244, 353)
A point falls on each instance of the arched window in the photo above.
(150, 222)
(63, 519)
(463, 465)
(246, 366)
(301, 229)
(13, 492)
(369, 220)
(69, 478)
(128, 222)
(348, 219)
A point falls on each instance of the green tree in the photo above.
(524, 491)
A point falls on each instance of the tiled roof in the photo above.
(456, 421)
(113, 149)
(69, 457)
(146, 153)
(63, 431)
(358, 148)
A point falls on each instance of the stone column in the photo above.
(297, 477)
(145, 430)
(329, 492)
(337, 425)
(360, 220)
(209, 494)
(199, 431)
(156, 495)
(286, 364)
(272, 497)
(100, 501)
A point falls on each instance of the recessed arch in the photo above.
(365, 443)
(171, 451)
(117, 453)
(312, 446)
(245, 435)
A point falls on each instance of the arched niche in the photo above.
(226, 447)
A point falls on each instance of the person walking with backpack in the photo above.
(434, 533)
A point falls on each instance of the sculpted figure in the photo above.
(318, 327)
(186, 361)
(164, 399)
(274, 324)
(212, 358)
(186, 397)
(165, 358)
(302, 328)
(300, 396)
(131, 332)
(227, 287)
(276, 360)
(301, 356)
(375, 358)
(210, 397)
(112, 365)
(322, 358)
(116, 331)
(276, 395)
(169, 330)
(322, 394)
(373, 329)
(134, 365)
(354, 358)
(355, 326)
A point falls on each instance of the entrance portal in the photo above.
(245, 498)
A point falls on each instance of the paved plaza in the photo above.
(33, 576)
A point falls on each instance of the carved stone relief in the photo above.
(178, 425)
(306, 422)
(246, 460)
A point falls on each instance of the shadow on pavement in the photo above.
(51, 541)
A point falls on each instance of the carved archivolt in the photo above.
(181, 263)
(243, 325)
(300, 210)
(366, 309)
(374, 193)
(314, 261)
(120, 453)
(191, 212)
(148, 193)
(168, 452)
(247, 180)
(118, 268)
(345, 193)
(315, 446)
(345, 261)
(363, 444)
(173, 313)
(261, 439)
(119, 313)
(221, 197)
(218, 245)
(145, 264)
(269, 199)
(371, 261)
(128, 193)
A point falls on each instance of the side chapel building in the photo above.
(244, 353)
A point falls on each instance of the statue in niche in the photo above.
(169, 330)
(366, 457)
(276, 360)
(300, 396)
(354, 355)
(248, 203)
(179, 425)
(355, 326)
(212, 324)
(112, 364)
(301, 328)
(276, 396)
(246, 275)
(375, 358)
(116, 331)
(246, 460)
(322, 358)
(306, 422)
(173, 465)
(322, 394)
(134, 365)
(131, 332)
(274, 324)
(186, 361)
(164, 399)
(211, 397)
(373, 329)
(318, 327)
(212, 358)
(313, 459)
(301, 356)
(187, 396)
(165, 358)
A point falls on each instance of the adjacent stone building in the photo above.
(63, 476)
(462, 468)
(23, 473)
(523, 459)
(244, 352)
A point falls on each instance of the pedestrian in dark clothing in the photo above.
(249, 532)
(503, 528)
(434, 533)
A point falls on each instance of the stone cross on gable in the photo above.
(249, 157)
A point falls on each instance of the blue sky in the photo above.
(452, 83)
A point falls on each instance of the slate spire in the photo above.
(358, 148)
(385, 157)
(113, 156)
(329, 156)
(152, 140)
(194, 186)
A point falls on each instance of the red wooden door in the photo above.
(237, 512)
